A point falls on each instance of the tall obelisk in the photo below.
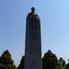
(33, 41)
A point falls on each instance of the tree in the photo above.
(6, 61)
(50, 61)
(67, 66)
(21, 65)
(62, 61)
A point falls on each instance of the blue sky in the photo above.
(54, 15)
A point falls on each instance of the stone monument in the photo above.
(33, 41)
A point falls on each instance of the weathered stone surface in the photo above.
(33, 42)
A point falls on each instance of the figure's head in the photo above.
(33, 9)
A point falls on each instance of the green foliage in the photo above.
(21, 65)
(50, 61)
(62, 61)
(67, 66)
(6, 61)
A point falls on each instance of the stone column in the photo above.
(33, 42)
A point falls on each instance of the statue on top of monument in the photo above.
(33, 41)
(33, 9)
(32, 14)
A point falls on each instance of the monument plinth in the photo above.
(33, 42)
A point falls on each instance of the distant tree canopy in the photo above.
(67, 66)
(50, 61)
(21, 65)
(62, 61)
(6, 61)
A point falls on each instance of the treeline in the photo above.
(49, 61)
(6, 61)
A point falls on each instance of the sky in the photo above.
(54, 16)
